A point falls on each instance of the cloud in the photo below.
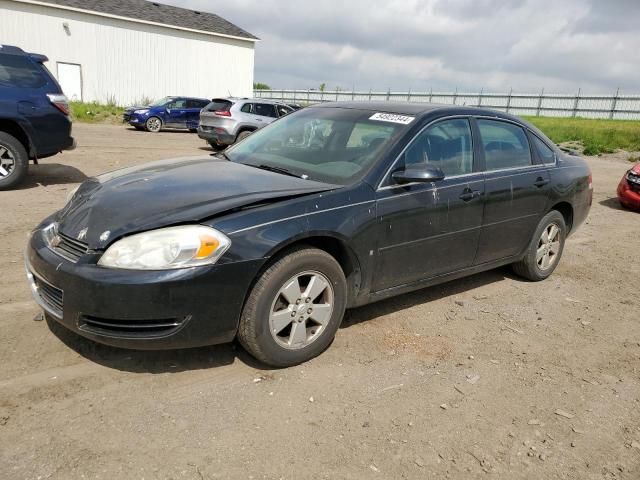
(441, 44)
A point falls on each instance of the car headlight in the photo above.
(50, 233)
(141, 112)
(72, 193)
(167, 248)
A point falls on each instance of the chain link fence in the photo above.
(614, 106)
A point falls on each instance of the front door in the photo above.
(176, 114)
(429, 229)
(517, 191)
(264, 113)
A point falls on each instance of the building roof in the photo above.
(154, 12)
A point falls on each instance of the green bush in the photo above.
(94, 112)
(597, 136)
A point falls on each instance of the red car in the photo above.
(629, 189)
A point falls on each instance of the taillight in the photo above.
(223, 113)
(59, 101)
(590, 181)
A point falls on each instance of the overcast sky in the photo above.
(561, 45)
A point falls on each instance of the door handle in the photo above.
(540, 182)
(469, 195)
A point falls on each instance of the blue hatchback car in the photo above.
(168, 112)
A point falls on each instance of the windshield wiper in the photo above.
(281, 170)
(223, 155)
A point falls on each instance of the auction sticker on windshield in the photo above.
(392, 117)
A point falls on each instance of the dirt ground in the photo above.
(486, 377)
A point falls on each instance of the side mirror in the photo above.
(424, 173)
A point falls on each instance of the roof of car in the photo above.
(11, 50)
(155, 12)
(416, 108)
(400, 108)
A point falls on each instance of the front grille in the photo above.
(53, 297)
(130, 328)
(70, 248)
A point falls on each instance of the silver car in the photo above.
(228, 120)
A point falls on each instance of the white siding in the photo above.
(127, 61)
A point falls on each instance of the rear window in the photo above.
(265, 110)
(218, 105)
(505, 145)
(21, 72)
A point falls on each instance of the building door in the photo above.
(70, 79)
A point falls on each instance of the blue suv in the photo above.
(34, 114)
(169, 112)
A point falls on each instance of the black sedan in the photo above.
(331, 207)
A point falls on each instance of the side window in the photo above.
(546, 154)
(246, 108)
(193, 104)
(447, 145)
(282, 110)
(181, 103)
(505, 145)
(265, 110)
(19, 71)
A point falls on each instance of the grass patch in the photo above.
(597, 136)
(95, 112)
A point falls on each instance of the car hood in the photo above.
(171, 192)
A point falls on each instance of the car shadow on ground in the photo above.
(46, 174)
(164, 130)
(161, 361)
(175, 361)
(426, 295)
(612, 202)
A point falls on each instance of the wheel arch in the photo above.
(566, 210)
(335, 246)
(13, 128)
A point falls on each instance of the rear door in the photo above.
(517, 190)
(264, 113)
(193, 112)
(430, 229)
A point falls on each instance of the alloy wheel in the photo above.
(154, 124)
(7, 162)
(548, 247)
(301, 310)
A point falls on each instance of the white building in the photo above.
(128, 50)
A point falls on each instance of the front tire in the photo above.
(14, 161)
(295, 308)
(545, 250)
(153, 124)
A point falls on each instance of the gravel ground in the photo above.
(485, 377)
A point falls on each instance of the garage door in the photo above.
(70, 79)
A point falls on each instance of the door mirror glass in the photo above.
(424, 173)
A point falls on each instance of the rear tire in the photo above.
(153, 124)
(242, 135)
(295, 308)
(217, 147)
(193, 130)
(545, 250)
(14, 161)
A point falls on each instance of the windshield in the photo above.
(161, 102)
(332, 145)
